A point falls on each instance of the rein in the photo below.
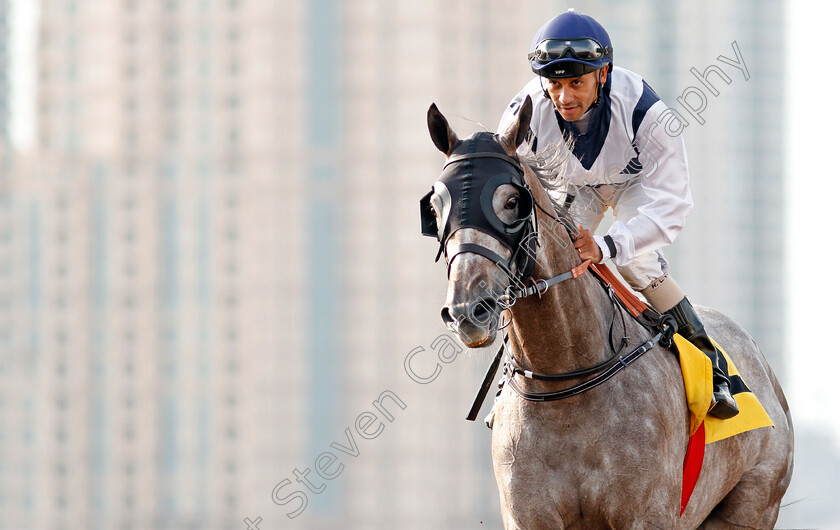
(604, 370)
(539, 287)
(615, 366)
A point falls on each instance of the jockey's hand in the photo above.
(587, 247)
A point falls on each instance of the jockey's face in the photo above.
(572, 96)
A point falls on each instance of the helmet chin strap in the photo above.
(600, 84)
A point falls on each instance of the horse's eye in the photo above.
(512, 203)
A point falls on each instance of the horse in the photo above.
(611, 456)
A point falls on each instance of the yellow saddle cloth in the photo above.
(697, 373)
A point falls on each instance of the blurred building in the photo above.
(143, 294)
(5, 71)
(730, 255)
(210, 267)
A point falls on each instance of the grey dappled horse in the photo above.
(613, 455)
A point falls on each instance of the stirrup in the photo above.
(724, 405)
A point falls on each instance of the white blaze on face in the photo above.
(475, 281)
(468, 266)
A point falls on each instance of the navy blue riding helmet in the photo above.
(570, 45)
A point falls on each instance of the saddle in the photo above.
(697, 372)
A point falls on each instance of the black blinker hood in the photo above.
(475, 169)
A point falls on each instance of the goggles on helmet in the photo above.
(582, 49)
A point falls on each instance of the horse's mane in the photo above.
(550, 165)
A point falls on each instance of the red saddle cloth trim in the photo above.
(693, 464)
(697, 442)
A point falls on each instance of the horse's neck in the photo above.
(567, 327)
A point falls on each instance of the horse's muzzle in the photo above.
(475, 322)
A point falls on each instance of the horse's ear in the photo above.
(517, 129)
(442, 135)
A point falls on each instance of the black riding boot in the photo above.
(689, 326)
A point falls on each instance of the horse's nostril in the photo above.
(446, 316)
(482, 310)
(478, 313)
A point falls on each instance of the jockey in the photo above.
(625, 157)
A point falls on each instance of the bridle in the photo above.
(524, 256)
(603, 371)
(523, 262)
